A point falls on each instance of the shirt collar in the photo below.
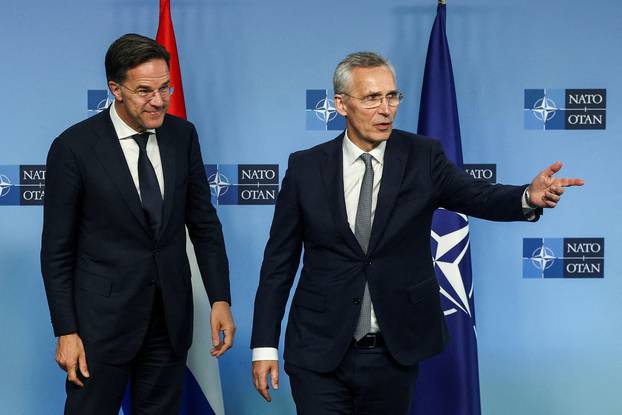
(120, 127)
(351, 152)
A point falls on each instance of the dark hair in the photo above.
(128, 52)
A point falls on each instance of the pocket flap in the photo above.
(310, 300)
(94, 283)
(423, 290)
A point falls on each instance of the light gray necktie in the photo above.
(362, 232)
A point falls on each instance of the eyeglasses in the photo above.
(374, 101)
(148, 94)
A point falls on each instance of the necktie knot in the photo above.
(366, 157)
(141, 139)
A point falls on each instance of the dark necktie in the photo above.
(150, 194)
(362, 232)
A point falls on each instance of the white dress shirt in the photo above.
(131, 150)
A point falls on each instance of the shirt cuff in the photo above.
(528, 211)
(265, 353)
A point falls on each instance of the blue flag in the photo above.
(448, 384)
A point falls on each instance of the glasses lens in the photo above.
(394, 100)
(372, 102)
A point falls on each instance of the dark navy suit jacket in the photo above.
(100, 262)
(310, 212)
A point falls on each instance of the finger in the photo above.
(255, 379)
(552, 197)
(552, 169)
(215, 334)
(265, 392)
(60, 361)
(263, 386)
(72, 376)
(558, 190)
(274, 376)
(228, 337)
(566, 182)
(84, 369)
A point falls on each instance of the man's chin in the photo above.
(384, 136)
(153, 122)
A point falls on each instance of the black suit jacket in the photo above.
(100, 263)
(310, 212)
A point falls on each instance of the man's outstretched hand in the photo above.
(546, 190)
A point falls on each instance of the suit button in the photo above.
(356, 301)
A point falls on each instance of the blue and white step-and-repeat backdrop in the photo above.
(536, 82)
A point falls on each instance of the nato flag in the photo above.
(448, 384)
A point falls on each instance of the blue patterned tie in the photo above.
(150, 194)
(362, 232)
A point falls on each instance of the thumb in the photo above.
(84, 369)
(553, 168)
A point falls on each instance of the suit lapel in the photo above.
(332, 175)
(392, 173)
(166, 143)
(110, 154)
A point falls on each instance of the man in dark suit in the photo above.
(366, 309)
(121, 188)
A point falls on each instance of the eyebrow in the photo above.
(378, 94)
(148, 87)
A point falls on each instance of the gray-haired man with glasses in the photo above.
(366, 309)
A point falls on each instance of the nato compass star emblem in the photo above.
(544, 109)
(543, 258)
(219, 184)
(449, 249)
(325, 110)
(5, 185)
(320, 111)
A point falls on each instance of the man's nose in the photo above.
(384, 107)
(156, 100)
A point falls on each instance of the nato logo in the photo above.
(563, 257)
(243, 184)
(22, 185)
(97, 101)
(485, 172)
(321, 113)
(450, 243)
(565, 109)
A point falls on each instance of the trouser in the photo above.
(155, 377)
(368, 381)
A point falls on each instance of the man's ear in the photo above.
(115, 89)
(340, 105)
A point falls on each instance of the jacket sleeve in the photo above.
(205, 229)
(457, 191)
(63, 188)
(280, 263)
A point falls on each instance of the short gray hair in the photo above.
(341, 77)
